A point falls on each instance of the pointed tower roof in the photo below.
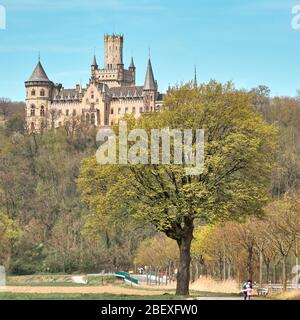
(195, 78)
(39, 74)
(149, 80)
(94, 64)
(132, 63)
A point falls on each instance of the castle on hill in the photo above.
(110, 94)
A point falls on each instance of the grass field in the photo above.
(74, 296)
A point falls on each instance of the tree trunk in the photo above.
(196, 271)
(192, 272)
(274, 273)
(224, 266)
(260, 269)
(229, 270)
(268, 272)
(284, 277)
(184, 244)
(250, 263)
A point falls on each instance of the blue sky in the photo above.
(250, 42)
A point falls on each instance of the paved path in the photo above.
(217, 298)
(79, 279)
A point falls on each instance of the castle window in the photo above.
(141, 109)
(126, 110)
(74, 113)
(92, 95)
(93, 119)
(87, 118)
(67, 112)
(32, 126)
(42, 93)
(133, 110)
(42, 111)
(112, 111)
(112, 123)
(33, 92)
(32, 111)
(119, 110)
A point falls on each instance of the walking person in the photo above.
(247, 290)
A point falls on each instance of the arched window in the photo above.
(42, 111)
(32, 111)
(87, 118)
(42, 93)
(33, 92)
(32, 126)
(93, 119)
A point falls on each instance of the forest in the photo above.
(61, 213)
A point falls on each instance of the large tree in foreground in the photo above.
(239, 149)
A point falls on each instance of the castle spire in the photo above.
(94, 64)
(150, 83)
(195, 78)
(132, 63)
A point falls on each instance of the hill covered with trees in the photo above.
(56, 214)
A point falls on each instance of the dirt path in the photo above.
(83, 290)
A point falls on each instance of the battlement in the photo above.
(113, 36)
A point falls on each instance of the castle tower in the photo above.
(132, 71)
(113, 74)
(94, 65)
(150, 89)
(38, 98)
(113, 51)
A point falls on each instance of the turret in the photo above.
(132, 71)
(150, 89)
(94, 65)
(38, 96)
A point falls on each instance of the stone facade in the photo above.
(110, 94)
